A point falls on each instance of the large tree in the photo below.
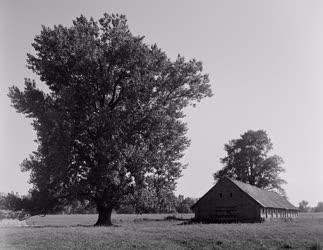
(112, 115)
(247, 160)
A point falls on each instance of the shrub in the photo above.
(7, 214)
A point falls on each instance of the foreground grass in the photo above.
(152, 232)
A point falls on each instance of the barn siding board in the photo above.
(228, 200)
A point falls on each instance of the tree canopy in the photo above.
(112, 116)
(247, 160)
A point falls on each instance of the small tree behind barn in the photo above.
(112, 116)
(247, 160)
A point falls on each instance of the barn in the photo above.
(234, 201)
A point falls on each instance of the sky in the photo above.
(264, 60)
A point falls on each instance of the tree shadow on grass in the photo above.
(71, 226)
(167, 218)
(137, 220)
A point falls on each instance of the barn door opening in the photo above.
(226, 214)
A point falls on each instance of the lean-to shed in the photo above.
(232, 200)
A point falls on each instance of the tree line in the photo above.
(304, 207)
(16, 204)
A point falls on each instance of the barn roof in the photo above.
(263, 197)
(266, 199)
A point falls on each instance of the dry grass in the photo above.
(152, 232)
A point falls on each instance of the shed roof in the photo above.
(266, 199)
(263, 197)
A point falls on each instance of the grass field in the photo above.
(154, 232)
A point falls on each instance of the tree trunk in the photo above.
(104, 212)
